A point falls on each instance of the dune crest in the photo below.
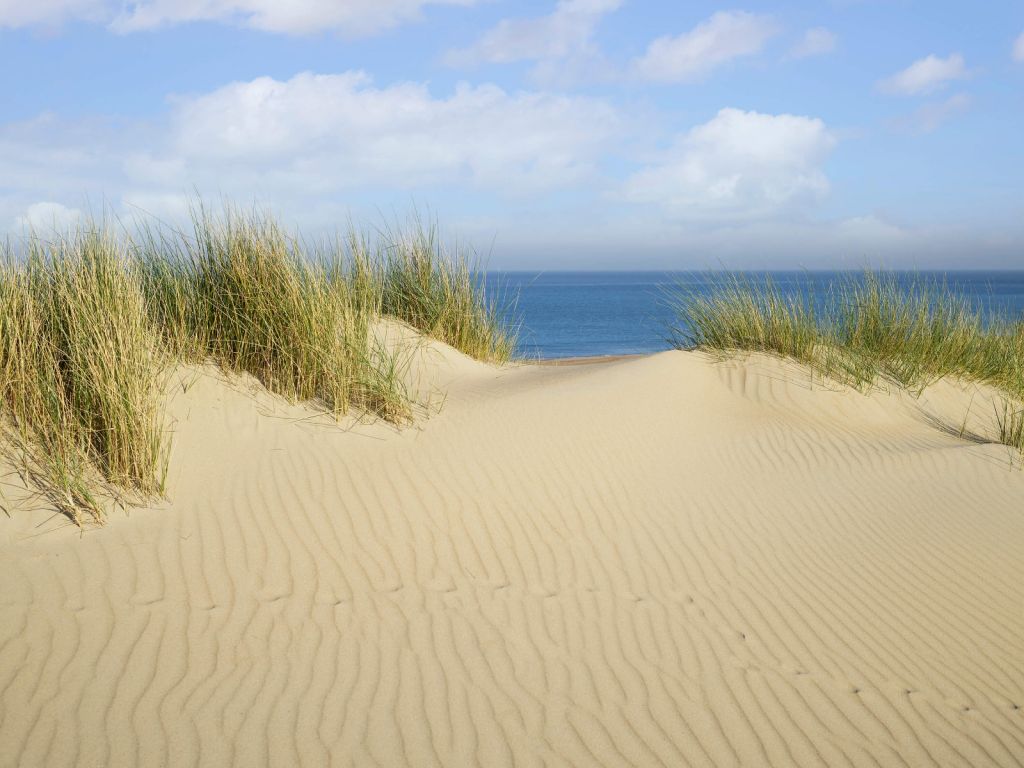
(660, 561)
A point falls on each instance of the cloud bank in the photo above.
(330, 132)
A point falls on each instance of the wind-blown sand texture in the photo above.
(660, 561)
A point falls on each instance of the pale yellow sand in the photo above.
(663, 561)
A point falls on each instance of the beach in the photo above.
(664, 560)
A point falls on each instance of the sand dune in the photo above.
(661, 561)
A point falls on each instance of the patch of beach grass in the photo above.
(737, 314)
(80, 372)
(240, 293)
(869, 327)
(440, 292)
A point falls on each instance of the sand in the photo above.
(658, 561)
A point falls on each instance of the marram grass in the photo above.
(242, 294)
(870, 327)
(1010, 422)
(92, 322)
(444, 297)
(81, 372)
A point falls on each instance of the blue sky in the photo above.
(567, 134)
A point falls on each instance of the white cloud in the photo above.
(725, 36)
(815, 42)
(561, 34)
(926, 75)
(1018, 48)
(738, 164)
(331, 132)
(354, 17)
(47, 216)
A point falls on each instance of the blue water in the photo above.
(571, 314)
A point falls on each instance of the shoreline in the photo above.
(590, 359)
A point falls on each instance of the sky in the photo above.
(565, 134)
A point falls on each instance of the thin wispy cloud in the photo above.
(561, 34)
(1018, 48)
(562, 45)
(726, 36)
(926, 75)
(929, 117)
(815, 42)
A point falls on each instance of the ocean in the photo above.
(575, 314)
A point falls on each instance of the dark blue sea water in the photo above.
(571, 314)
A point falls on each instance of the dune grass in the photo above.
(242, 294)
(1010, 423)
(80, 372)
(94, 320)
(870, 327)
(440, 293)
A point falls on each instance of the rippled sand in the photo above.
(660, 561)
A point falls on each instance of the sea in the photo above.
(582, 314)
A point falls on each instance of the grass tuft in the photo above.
(442, 294)
(736, 314)
(80, 371)
(242, 294)
(1010, 422)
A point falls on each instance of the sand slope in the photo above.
(664, 561)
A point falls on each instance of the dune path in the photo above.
(660, 561)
